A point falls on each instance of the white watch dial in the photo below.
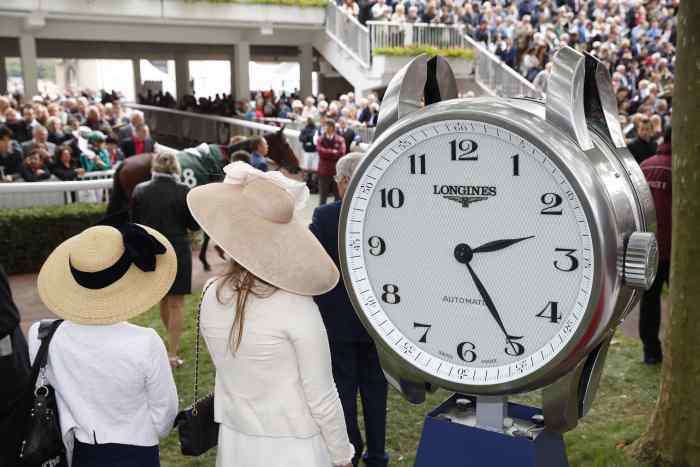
(469, 252)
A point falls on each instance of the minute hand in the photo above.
(499, 244)
(489, 304)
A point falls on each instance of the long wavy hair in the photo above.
(243, 283)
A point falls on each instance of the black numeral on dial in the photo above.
(462, 150)
(567, 266)
(516, 165)
(377, 246)
(513, 347)
(391, 294)
(421, 164)
(466, 351)
(424, 337)
(550, 312)
(392, 197)
(551, 201)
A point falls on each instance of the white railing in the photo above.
(216, 129)
(29, 194)
(98, 175)
(208, 128)
(349, 34)
(390, 35)
(498, 78)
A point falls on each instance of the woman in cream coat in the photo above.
(276, 401)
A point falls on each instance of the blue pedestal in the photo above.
(449, 444)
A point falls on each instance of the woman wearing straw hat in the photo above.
(114, 387)
(275, 397)
(161, 203)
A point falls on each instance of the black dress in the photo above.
(161, 203)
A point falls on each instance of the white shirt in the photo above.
(280, 382)
(113, 383)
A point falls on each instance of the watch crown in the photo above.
(641, 260)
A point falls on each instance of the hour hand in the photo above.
(499, 244)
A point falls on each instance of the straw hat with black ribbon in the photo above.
(107, 274)
(251, 216)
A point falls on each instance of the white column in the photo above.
(27, 52)
(136, 65)
(306, 68)
(241, 79)
(3, 76)
(232, 78)
(182, 76)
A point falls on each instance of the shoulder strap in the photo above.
(46, 331)
(196, 346)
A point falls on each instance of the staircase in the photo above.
(344, 44)
(348, 47)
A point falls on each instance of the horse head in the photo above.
(281, 152)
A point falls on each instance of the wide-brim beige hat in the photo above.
(105, 275)
(251, 216)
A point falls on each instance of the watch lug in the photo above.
(560, 405)
(600, 104)
(591, 374)
(564, 104)
(423, 80)
(412, 391)
(570, 397)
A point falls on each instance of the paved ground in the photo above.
(32, 309)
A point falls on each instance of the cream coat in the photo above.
(279, 383)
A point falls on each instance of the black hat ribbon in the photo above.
(140, 249)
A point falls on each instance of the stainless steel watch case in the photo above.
(577, 128)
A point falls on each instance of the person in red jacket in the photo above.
(330, 147)
(657, 170)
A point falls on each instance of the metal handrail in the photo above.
(498, 78)
(352, 36)
(214, 128)
(54, 187)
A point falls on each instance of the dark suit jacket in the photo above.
(129, 148)
(337, 312)
(349, 136)
(161, 203)
(14, 369)
(125, 132)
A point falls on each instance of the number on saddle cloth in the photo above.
(201, 169)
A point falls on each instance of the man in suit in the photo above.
(353, 354)
(140, 143)
(40, 138)
(347, 133)
(10, 155)
(14, 368)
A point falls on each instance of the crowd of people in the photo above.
(265, 105)
(634, 38)
(62, 139)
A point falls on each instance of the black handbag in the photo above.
(41, 440)
(196, 427)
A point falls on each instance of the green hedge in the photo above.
(28, 235)
(466, 54)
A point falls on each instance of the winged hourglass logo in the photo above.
(465, 195)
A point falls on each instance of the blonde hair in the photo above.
(242, 282)
(166, 163)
